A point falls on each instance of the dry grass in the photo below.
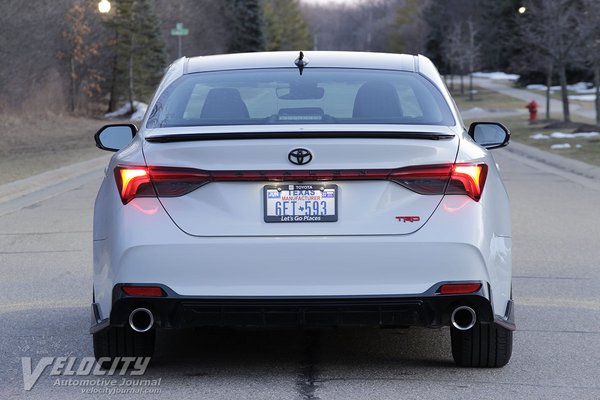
(31, 145)
(487, 99)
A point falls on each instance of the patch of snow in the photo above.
(579, 88)
(503, 76)
(536, 87)
(538, 136)
(560, 146)
(140, 111)
(578, 146)
(591, 90)
(583, 97)
(562, 135)
(124, 110)
(138, 114)
(475, 110)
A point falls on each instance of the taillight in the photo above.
(428, 179)
(467, 179)
(463, 179)
(175, 182)
(135, 181)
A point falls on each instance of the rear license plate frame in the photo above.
(282, 188)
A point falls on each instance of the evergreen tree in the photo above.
(246, 26)
(285, 26)
(149, 49)
(408, 29)
(140, 55)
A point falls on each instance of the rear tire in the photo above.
(122, 342)
(483, 346)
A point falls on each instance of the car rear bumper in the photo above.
(429, 309)
(446, 249)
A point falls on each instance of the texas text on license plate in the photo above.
(301, 203)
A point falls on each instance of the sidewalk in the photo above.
(504, 88)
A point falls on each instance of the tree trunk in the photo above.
(130, 74)
(564, 93)
(451, 82)
(597, 87)
(112, 102)
(548, 85)
(462, 85)
(471, 86)
(73, 84)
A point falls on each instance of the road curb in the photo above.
(24, 192)
(554, 160)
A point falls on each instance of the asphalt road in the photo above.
(45, 291)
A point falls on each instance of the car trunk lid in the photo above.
(245, 168)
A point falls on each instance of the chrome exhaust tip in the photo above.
(141, 320)
(463, 318)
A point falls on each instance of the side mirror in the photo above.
(490, 135)
(115, 137)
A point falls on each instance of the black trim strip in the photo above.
(508, 321)
(97, 323)
(298, 135)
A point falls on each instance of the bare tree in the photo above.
(34, 79)
(534, 60)
(31, 77)
(450, 50)
(471, 52)
(551, 28)
(590, 46)
(363, 26)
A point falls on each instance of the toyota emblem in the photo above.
(300, 156)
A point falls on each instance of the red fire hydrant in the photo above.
(533, 109)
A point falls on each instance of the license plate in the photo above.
(301, 203)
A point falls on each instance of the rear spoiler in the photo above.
(297, 135)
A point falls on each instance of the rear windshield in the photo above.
(283, 96)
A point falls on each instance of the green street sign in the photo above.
(179, 30)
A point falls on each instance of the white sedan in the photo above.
(303, 190)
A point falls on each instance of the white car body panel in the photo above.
(174, 242)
